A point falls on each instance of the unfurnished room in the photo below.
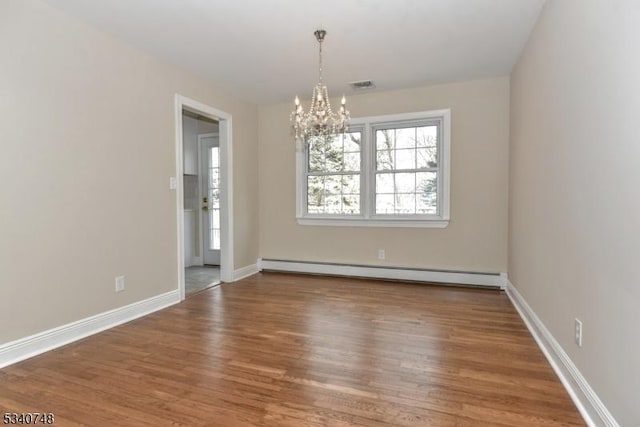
(366, 213)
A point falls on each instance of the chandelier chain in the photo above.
(320, 61)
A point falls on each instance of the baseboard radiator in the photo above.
(447, 277)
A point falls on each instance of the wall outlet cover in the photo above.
(119, 283)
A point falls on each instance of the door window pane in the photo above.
(214, 198)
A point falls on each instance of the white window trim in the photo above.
(368, 218)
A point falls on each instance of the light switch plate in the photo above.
(173, 183)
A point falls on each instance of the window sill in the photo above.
(358, 222)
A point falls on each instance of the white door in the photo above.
(210, 168)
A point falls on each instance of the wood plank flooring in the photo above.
(293, 350)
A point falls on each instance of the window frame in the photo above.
(368, 217)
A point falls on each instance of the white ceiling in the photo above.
(265, 52)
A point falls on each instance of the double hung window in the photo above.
(385, 171)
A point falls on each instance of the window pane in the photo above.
(405, 159)
(333, 194)
(351, 161)
(427, 203)
(385, 139)
(215, 218)
(351, 204)
(214, 229)
(323, 156)
(315, 194)
(405, 204)
(405, 183)
(214, 198)
(335, 143)
(426, 182)
(385, 203)
(214, 177)
(332, 159)
(350, 184)
(352, 141)
(385, 160)
(313, 209)
(426, 194)
(427, 157)
(214, 239)
(328, 153)
(404, 193)
(215, 157)
(316, 157)
(427, 136)
(333, 204)
(384, 183)
(406, 138)
(332, 184)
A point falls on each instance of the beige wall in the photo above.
(476, 238)
(88, 147)
(574, 206)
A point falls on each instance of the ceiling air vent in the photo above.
(362, 85)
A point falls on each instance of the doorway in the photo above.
(204, 196)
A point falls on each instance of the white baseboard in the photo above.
(405, 274)
(246, 271)
(24, 348)
(589, 404)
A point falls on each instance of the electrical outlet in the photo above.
(380, 253)
(119, 283)
(578, 332)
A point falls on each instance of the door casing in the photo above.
(226, 186)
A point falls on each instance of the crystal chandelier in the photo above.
(320, 120)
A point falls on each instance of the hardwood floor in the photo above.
(293, 350)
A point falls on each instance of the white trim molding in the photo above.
(24, 348)
(245, 271)
(493, 280)
(588, 403)
(347, 222)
